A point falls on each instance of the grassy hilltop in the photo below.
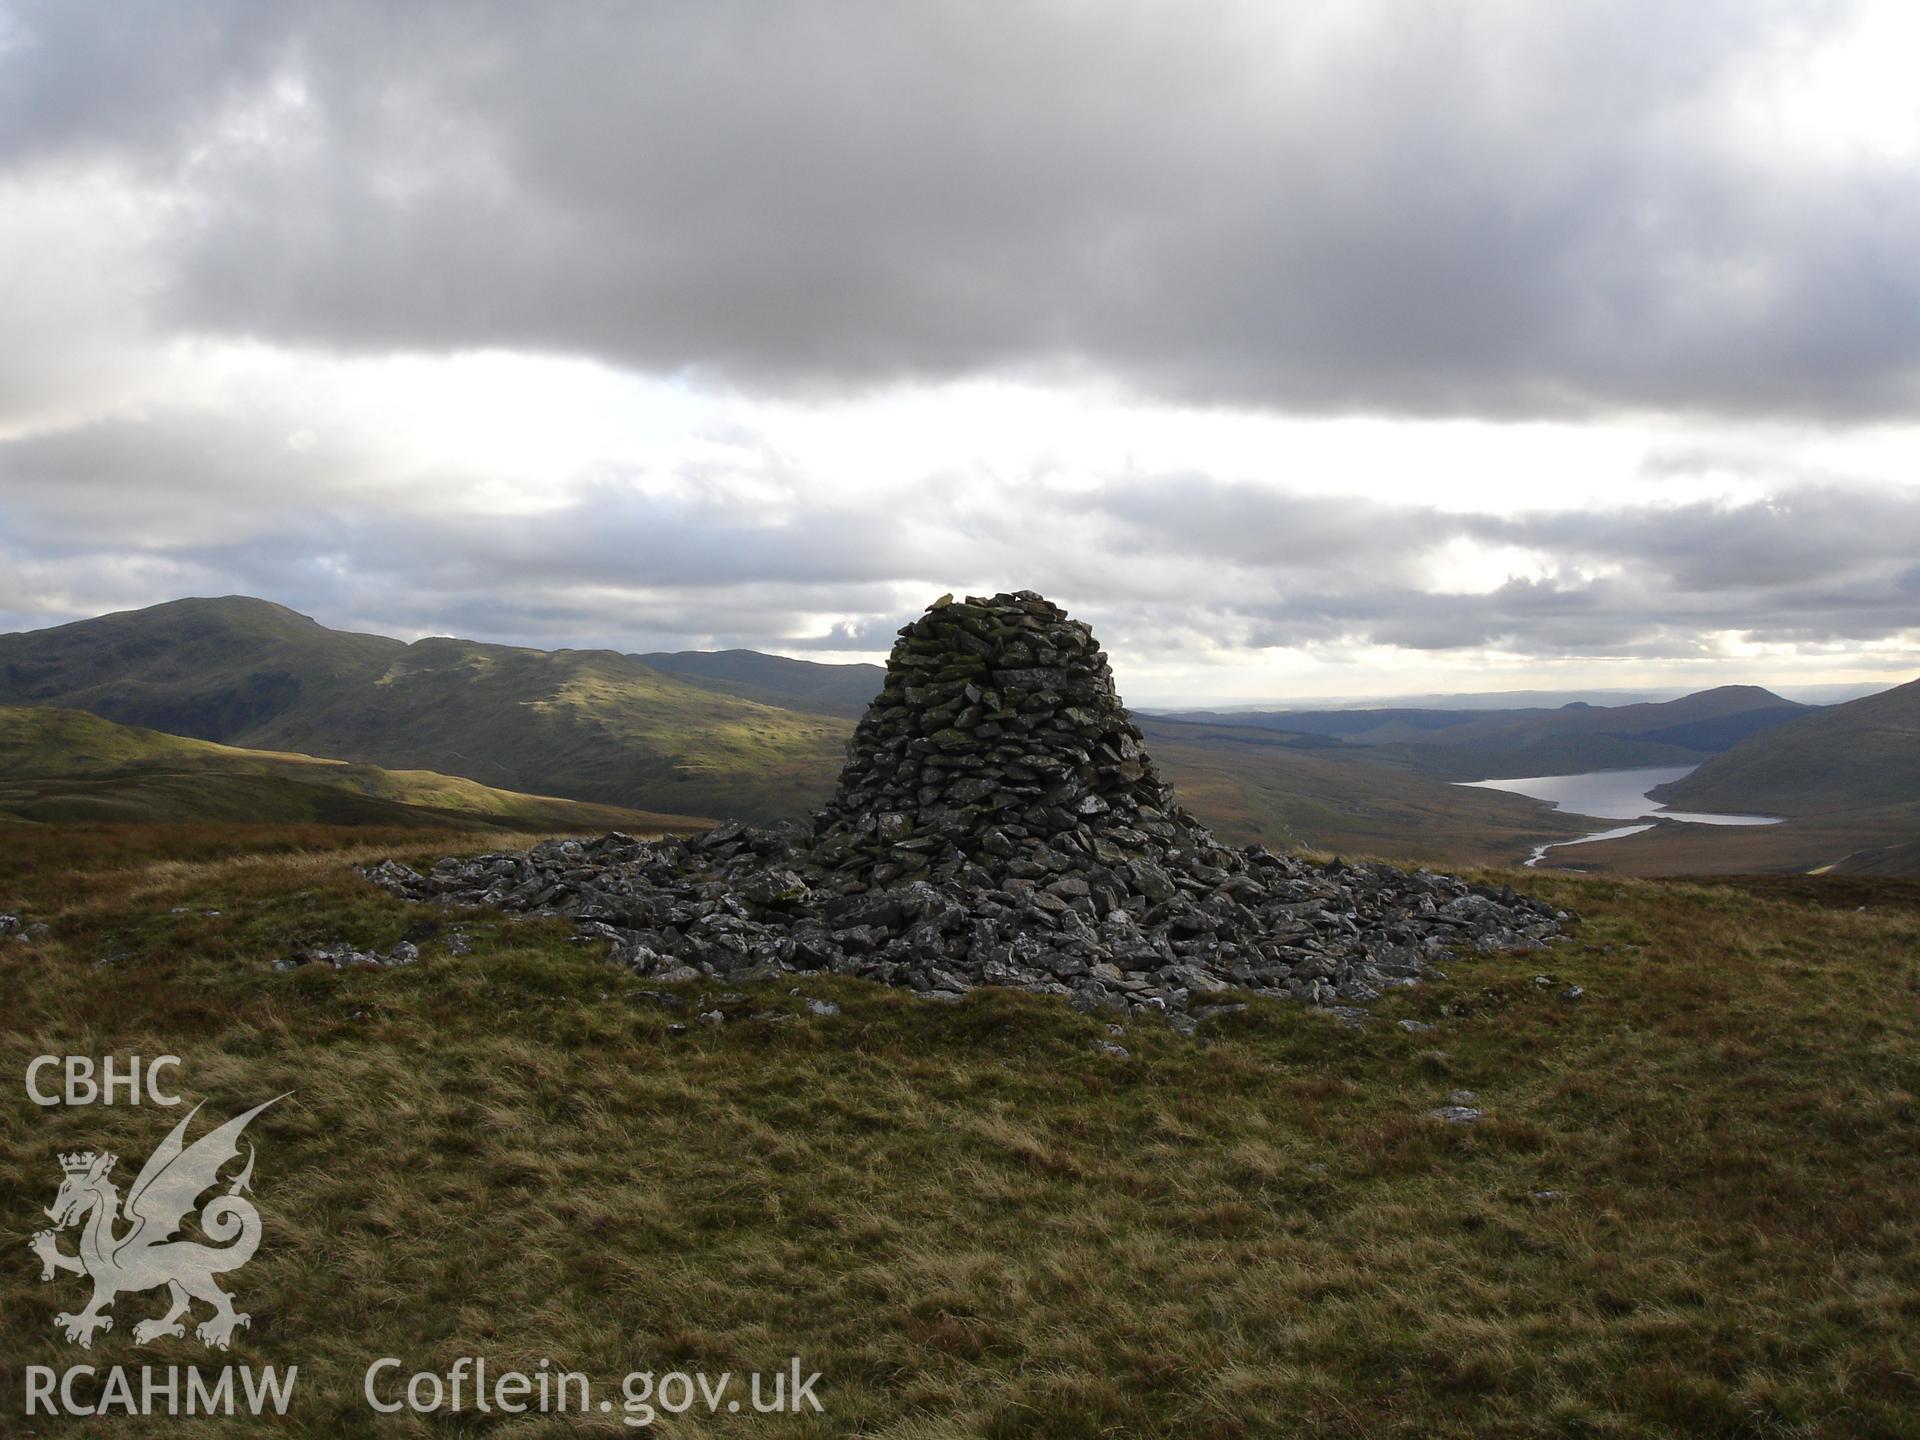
(1686, 1210)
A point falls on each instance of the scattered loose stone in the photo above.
(1415, 1027)
(1573, 992)
(342, 956)
(999, 822)
(823, 1007)
(12, 926)
(1459, 1109)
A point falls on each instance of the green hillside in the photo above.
(730, 735)
(594, 725)
(808, 685)
(1862, 755)
(65, 766)
(210, 669)
(590, 724)
(585, 724)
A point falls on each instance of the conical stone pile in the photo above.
(998, 822)
(997, 735)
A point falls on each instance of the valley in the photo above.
(691, 737)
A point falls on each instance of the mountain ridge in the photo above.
(592, 725)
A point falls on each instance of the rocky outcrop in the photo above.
(999, 822)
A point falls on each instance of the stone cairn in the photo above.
(999, 822)
(997, 736)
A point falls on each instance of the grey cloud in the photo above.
(162, 469)
(136, 79)
(1796, 536)
(182, 479)
(1187, 566)
(1814, 562)
(613, 537)
(1802, 531)
(1473, 208)
(1257, 526)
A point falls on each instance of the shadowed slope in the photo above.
(586, 724)
(1864, 754)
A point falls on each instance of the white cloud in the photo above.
(1391, 349)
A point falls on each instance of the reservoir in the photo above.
(1613, 795)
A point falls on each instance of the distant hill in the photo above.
(584, 724)
(211, 669)
(1504, 744)
(1863, 755)
(1287, 791)
(761, 737)
(776, 680)
(67, 765)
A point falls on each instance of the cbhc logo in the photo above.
(86, 1083)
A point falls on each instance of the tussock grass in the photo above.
(1688, 1209)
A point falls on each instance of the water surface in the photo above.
(1613, 795)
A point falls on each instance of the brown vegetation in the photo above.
(1686, 1211)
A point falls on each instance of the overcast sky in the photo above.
(1304, 349)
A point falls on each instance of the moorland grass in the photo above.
(1688, 1208)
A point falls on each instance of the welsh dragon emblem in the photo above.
(145, 1255)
